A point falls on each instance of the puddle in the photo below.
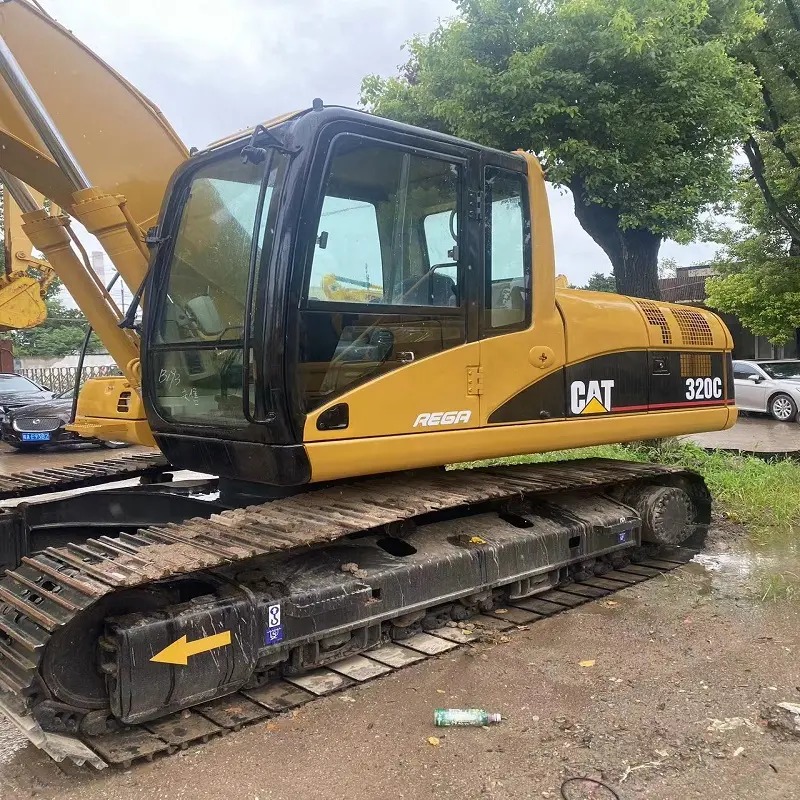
(740, 567)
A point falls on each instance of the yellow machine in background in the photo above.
(25, 280)
(69, 124)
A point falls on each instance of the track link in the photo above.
(46, 481)
(57, 585)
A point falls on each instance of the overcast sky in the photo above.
(217, 67)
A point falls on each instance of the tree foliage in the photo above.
(61, 334)
(759, 267)
(635, 105)
(599, 282)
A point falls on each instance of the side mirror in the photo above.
(754, 378)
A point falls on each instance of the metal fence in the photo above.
(60, 379)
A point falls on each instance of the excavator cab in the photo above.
(331, 251)
(343, 295)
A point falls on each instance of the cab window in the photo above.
(388, 228)
(196, 361)
(508, 252)
(383, 286)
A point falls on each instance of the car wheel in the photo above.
(783, 408)
(115, 445)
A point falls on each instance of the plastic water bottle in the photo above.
(449, 717)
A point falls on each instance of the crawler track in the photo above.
(92, 473)
(257, 706)
(58, 585)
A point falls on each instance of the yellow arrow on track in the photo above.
(179, 651)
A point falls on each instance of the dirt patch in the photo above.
(725, 534)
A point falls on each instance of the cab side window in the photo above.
(508, 252)
(384, 284)
(388, 230)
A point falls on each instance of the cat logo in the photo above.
(592, 397)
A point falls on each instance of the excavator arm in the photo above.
(74, 131)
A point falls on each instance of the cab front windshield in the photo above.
(198, 351)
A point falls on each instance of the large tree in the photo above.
(635, 105)
(760, 263)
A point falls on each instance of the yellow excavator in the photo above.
(335, 306)
(25, 281)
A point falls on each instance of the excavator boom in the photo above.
(120, 139)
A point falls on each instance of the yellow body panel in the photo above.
(350, 458)
(111, 409)
(600, 322)
(590, 331)
(392, 403)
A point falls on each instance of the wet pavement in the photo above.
(736, 564)
(754, 434)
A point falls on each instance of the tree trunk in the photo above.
(633, 252)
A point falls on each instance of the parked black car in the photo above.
(16, 391)
(37, 425)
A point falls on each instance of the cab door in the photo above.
(522, 347)
(385, 339)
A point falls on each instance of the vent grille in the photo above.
(655, 316)
(36, 424)
(695, 329)
(695, 365)
(124, 402)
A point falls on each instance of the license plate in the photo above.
(35, 437)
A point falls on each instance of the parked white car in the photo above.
(771, 387)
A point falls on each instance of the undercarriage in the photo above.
(106, 638)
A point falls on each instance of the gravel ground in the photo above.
(684, 667)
